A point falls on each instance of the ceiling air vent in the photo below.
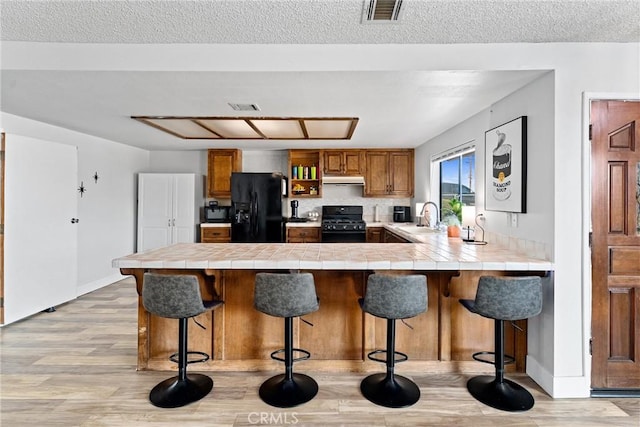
(244, 107)
(381, 10)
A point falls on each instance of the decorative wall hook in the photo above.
(82, 189)
(96, 177)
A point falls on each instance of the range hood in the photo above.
(343, 180)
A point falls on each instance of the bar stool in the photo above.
(503, 299)
(178, 297)
(392, 297)
(287, 296)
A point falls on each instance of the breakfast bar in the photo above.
(239, 338)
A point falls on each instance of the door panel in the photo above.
(41, 198)
(154, 211)
(615, 251)
(183, 208)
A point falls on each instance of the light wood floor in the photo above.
(76, 367)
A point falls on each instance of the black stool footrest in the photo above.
(306, 355)
(203, 357)
(478, 356)
(403, 357)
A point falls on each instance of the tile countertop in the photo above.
(436, 252)
(215, 224)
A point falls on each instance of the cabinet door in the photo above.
(155, 210)
(401, 173)
(220, 166)
(376, 178)
(353, 162)
(333, 164)
(183, 219)
(374, 235)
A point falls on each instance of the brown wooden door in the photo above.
(615, 250)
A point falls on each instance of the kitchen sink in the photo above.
(414, 229)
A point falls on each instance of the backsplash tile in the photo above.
(348, 195)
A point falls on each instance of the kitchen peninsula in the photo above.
(240, 338)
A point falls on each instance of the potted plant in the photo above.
(453, 225)
(453, 217)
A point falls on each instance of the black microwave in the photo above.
(217, 213)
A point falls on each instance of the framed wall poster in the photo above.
(506, 167)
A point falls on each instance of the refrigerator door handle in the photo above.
(254, 219)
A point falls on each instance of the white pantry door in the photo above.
(41, 199)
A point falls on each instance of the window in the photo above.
(458, 178)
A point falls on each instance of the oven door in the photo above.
(344, 236)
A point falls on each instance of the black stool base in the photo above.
(285, 393)
(390, 391)
(506, 396)
(174, 393)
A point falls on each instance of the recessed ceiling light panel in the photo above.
(225, 128)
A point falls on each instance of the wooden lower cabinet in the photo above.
(374, 234)
(215, 234)
(238, 337)
(389, 237)
(303, 235)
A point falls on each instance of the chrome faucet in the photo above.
(437, 224)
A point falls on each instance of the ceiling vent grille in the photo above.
(381, 10)
(244, 107)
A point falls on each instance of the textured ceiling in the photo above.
(319, 21)
(98, 67)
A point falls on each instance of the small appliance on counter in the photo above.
(294, 213)
(216, 213)
(402, 214)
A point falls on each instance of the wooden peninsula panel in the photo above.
(238, 337)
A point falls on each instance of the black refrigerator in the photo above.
(256, 200)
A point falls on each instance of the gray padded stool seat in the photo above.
(391, 298)
(287, 296)
(177, 297)
(504, 299)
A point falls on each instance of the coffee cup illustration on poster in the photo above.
(505, 166)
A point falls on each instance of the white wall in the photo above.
(536, 101)
(193, 161)
(107, 210)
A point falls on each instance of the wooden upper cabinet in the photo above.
(389, 173)
(341, 162)
(220, 166)
(303, 183)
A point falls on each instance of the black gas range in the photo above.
(343, 224)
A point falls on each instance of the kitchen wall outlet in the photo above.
(514, 220)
